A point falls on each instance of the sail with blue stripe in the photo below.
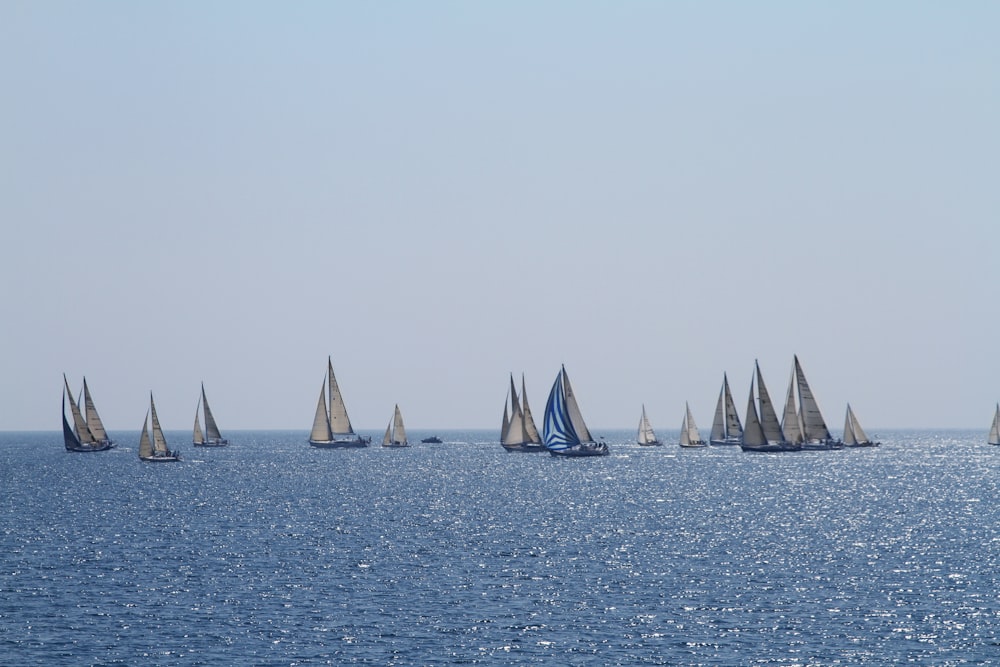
(559, 432)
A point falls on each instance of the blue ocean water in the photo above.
(270, 552)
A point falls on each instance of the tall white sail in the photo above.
(340, 423)
(321, 424)
(685, 433)
(768, 417)
(850, 439)
(505, 425)
(694, 437)
(573, 410)
(646, 434)
(398, 430)
(198, 438)
(791, 425)
(530, 430)
(753, 433)
(516, 434)
(859, 433)
(387, 438)
(83, 433)
(813, 425)
(94, 422)
(145, 444)
(719, 420)
(994, 438)
(211, 428)
(159, 442)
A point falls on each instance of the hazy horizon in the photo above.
(439, 194)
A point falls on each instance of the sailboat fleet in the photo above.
(565, 434)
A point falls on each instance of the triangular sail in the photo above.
(685, 433)
(94, 422)
(505, 425)
(145, 444)
(646, 434)
(198, 437)
(340, 423)
(768, 417)
(719, 420)
(558, 427)
(813, 425)
(694, 437)
(387, 438)
(733, 427)
(159, 442)
(83, 433)
(790, 423)
(398, 430)
(321, 425)
(859, 433)
(211, 428)
(516, 434)
(753, 434)
(573, 410)
(69, 437)
(994, 438)
(530, 430)
(850, 438)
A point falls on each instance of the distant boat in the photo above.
(432, 440)
(646, 435)
(331, 426)
(763, 433)
(87, 433)
(690, 437)
(726, 427)
(395, 432)
(211, 437)
(518, 432)
(994, 438)
(814, 433)
(155, 451)
(566, 434)
(855, 436)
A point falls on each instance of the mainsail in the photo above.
(145, 444)
(791, 423)
(813, 425)
(753, 433)
(395, 432)
(646, 434)
(516, 432)
(573, 409)
(321, 423)
(83, 433)
(560, 433)
(340, 423)
(994, 438)
(211, 428)
(93, 419)
(159, 442)
(529, 422)
(768, 417)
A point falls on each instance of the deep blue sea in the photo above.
(271, 552)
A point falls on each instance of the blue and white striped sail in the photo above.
(558, 428)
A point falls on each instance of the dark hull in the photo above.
(723, 443)
(432, 440)
(585, 449)
(695, 445)
(822, 446)
(340, 444)
(772, 447)
(525, 449)
(876, 444)
(395, 444)
(160, 459)
(99, 447)
(655, 443)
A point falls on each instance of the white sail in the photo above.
(83, 433)
(753, 433)
(530, 430)
(516, 433)
(813, 425)
(685, 433)
(791, 425)
(198, 437)
(850, 438)
(159, 442)
(719, 420)
(211, 428)
(994, 438)
(398, 430)
(321, 424)
(93, 419)
(340, 423)
(505, 425)
(859, 433)
(733, 427)
(768, 417)
(573, 409)
(145, 444)
(646, 434)
(694, 436)
(387, 438)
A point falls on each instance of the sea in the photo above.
(271, 552)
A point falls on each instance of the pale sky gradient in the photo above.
(439, 193)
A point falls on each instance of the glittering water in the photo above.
(270, 552)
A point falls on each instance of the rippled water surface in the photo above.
(270, 552)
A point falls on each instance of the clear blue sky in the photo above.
(439, 193)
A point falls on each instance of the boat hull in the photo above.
(694, 445)
(212, 443)
(340, 444)
(96, 447)
(526, 448)
(160, 459)
(655, 443)
(821, 445)
(772, 447)
(583, 449)
(869, 443)
(724, 443)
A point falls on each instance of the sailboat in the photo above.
(815, 434)
(855, 436)
(690, 437)
(519, 433)
(155, 450)
(791, 419)
(87, 433)
(763, 433)
(994, 438)
(395, 432)
(726, 427)
(566, 434)
(212, 437)
(331, 425)
(646, 436)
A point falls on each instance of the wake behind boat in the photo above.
(212, 437)
(331, 425)
(566, 434)
(155, 450)
(87, 433)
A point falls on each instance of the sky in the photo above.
(438, 194)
